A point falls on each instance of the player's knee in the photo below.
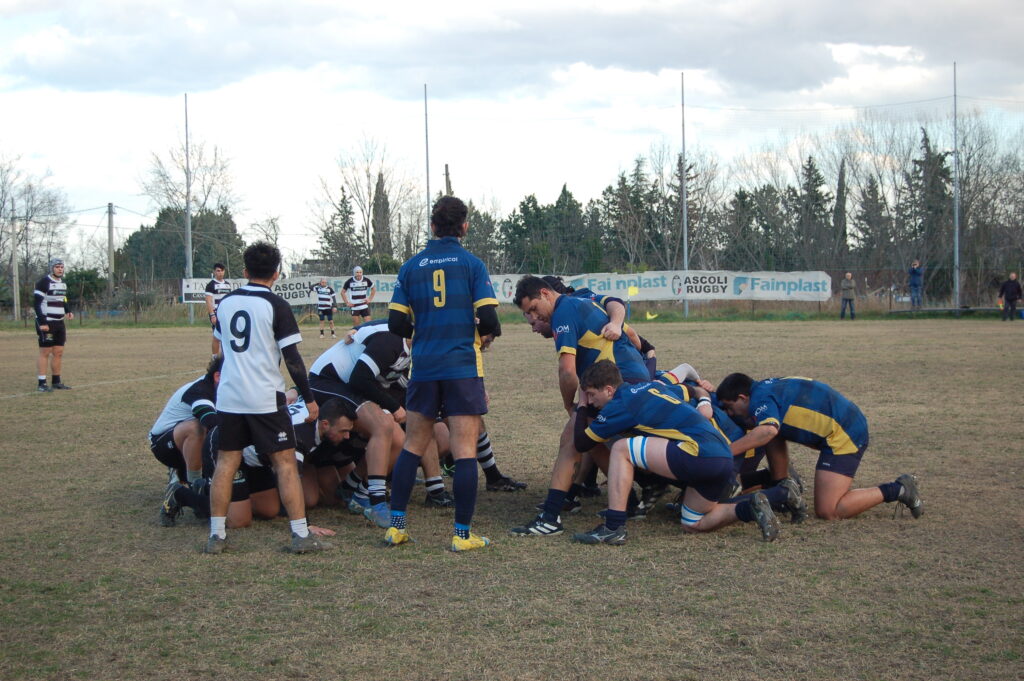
(691, 520)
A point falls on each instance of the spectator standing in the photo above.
(847, 292)
(915, 280)
(1009, 293)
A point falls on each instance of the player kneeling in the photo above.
(687, 449)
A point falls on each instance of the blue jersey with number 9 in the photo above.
(440, 289)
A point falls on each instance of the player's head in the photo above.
(535, 298)
(57, 266)
(1013, 275)
(734, 396)
(323, 281)
(600, 381)
(335, 420)
(448, 218)
(218, 270)
(262, 260)
(213, 368)
(357, 272)
(849, 275)
(558, 285)
(915, 263)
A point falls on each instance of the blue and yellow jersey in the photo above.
(440, 289)
(659, 410)
(577, 323)
(810, 413)
(720, 419)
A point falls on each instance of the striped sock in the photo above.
(377, 489)
(434, 485)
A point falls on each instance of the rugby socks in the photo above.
(464, 484)
(351, 482)
(55, 379)
(744, 511)
(398, 519)
(613, 520)
(377, 488)
(434, 485)
(217, 526)
(590, 480)
(299, 527)
(193, 476)
(403, 477)
(776, 496)
(485, 457)
(199, 503)
(42, 380)
(890, 491)
(553, 505)
(574, 491)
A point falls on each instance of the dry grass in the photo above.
(92, 588)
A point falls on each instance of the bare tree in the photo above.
(211, 179)
(268, 229)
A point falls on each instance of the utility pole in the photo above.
(110, 253)
(188, 215)
(447, 181)
(956, 203)
(426, 147)
(15, 283)
(686, 223)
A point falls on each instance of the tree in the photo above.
(339, 247)
(381, 219)
(157, 251)
(165, 182)
(268, 229)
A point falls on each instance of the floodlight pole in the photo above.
(682, 180)
(188, 213)
(956, 202)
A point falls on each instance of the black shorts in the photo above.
(267, 433)
(239, 486)
(329, 389)
(55, 337)
(258, 478)
(452, 397)
(365, 312)
(326, 314)
(167, 453)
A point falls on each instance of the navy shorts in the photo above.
(711, 476)
(844, 464)
(211, 443)
(55, 337)
(450, 397)
(329, 389)
(748, 461)
(267, 433)
(326, 314)
(365, 312)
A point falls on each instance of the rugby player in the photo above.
(176, 439)
(576, 325)
(51, 302)
(215, 291)
(445, 295)
(668, 437)
(781, 410)
(258, 330)
(358, 292)
(326, 304)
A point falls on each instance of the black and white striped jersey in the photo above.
(217, 290)
(384, 353)
(183, 403)
(51, 299)
(358, 292)
(325, 297)
(253, 325)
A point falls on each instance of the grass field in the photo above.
(91, 587)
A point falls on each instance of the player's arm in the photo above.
(297, 370)
(399, 321)
(568, 381)
(344, 294)
(37, 305)
(636, 340)
(211, 307)
(364, 381)
(487, 320)
(758, 437)
(616, 311)
(200, 399)
(372, 293)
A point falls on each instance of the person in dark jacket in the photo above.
(1009, 294)
(915, 280)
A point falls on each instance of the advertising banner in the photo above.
(661, 285)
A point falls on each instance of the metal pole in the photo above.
(686, 222)
(426, 146)
(956, 202)
(110, 252)
(15, 279)
(188, 213)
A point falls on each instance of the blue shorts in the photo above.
(448, 397)
(748, 461)
(844, 464)
(326, 314)
(711, 476)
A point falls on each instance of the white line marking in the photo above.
(123, 380)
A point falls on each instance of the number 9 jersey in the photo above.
(253, 325)
(440, 289)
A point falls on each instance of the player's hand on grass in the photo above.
(321, 531)
(314, 411)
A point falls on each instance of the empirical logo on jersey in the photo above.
(600, 418)
(638, 388)
(436, 261)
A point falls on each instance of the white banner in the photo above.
(664, 285)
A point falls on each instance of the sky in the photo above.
(523, 96)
